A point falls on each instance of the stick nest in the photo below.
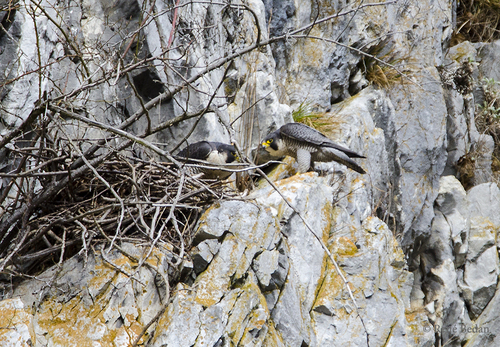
(121, 199)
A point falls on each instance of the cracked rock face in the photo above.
(460, 261)
(481, 271)
(270, 282)
(266, 281)
(92, 301)
(259, 276)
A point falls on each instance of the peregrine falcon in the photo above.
(216, 153)
(307, 145)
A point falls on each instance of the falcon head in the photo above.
(274, 144)
(224, 154)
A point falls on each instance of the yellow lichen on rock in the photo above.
(344, 246)
(213, 283)
(16, 323)
(94, 305)
(251, 309)
(74, 324)
(329, 290)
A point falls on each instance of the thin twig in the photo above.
(96, 174)
(155, 318)
(325, 248)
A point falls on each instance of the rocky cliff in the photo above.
(405, 255)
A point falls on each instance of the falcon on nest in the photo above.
(216, 153)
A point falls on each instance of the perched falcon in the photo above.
(213, 152)
(307, 145)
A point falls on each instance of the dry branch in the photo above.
(89, 206)
(62, 195)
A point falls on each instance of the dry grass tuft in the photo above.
(380, 74)
(321, 121)
(487, 119)
(466, 167)
(477, 21)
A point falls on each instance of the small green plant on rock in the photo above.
(491, 103)
(304, 114)
(321, 121)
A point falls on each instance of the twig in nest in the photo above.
(61, 128)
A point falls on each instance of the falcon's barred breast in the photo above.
(307, 145)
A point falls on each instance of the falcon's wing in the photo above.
(198, 150)
(303, 133)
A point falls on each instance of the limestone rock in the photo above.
(452, 212)
(225, 303)
(17, 320)
(482, 264)
(443, 252)
(485, 330)
(469, 152)
(371, 260)
(203, 254)
(422, 152)
(100, 299)
(265, 279)
(259, 276)
(271, 269)
(459, 260)
(488, 54)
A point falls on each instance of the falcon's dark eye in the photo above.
(270, 141)
(233, 153)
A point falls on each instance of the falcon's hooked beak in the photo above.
(272, 143)
(267, 143)
(230, 156)
(235, 155)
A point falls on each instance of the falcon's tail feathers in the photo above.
(351, 164)
(342, 158)
(347, 151)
